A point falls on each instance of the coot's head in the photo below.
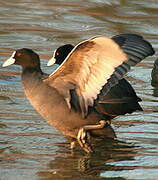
(60, 54)
(24, 57)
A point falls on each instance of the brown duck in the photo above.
(71, 99)
(121, 98)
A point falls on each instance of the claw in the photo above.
(83, 136)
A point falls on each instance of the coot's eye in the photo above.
(56, 54)
(18, 54)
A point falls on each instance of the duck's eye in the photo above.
(56, 54)
(18, 54)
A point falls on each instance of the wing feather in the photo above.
(93, 67)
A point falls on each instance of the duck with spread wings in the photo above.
(70, 98)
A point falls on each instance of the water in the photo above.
(31, 149)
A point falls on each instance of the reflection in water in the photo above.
(76, 166)
(29, 148)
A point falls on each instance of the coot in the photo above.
(121, 98)
(71, 99)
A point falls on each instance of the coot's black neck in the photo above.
(31, 70)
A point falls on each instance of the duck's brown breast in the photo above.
(52, 106)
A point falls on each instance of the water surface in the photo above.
(29, 147)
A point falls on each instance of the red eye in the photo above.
(18, 54)
(56, 54)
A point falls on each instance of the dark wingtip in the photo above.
(152, 51)
(123, 39)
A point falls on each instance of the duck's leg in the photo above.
(83, 136)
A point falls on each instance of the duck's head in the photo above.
(60, 54)
(24, 57)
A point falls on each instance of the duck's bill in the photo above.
(51, 61)
(9, 61)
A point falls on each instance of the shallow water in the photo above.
(31, 149)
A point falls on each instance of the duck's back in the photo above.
(121, 99)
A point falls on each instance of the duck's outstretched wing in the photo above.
(136, 48)
(91, 69)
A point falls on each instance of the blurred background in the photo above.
(29, 147)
